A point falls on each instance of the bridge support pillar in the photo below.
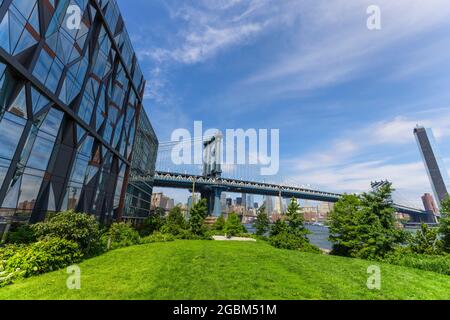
(217, 211)
(212, 196)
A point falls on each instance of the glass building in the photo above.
(140, 186)
(70, 106)
(435, 168)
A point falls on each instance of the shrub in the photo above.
(121, 235)
(278, 227)
(404, 257)
(80, 228)
(444, 225)
(198, 214)
(426, 241)
(220, 224)
(44, 256)
(262, 223)
(158, 237)
(175, 222)
(233, 226)
(23, 234)
(364, 226)
(150, 225)
(292, 241)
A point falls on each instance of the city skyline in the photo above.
(202, 54)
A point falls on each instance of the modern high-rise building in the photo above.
(279, 205)
(140, 182)
(429, 204)
(71, 95)
(268, 203)
(435, 168)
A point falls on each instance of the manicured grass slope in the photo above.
(228, 270)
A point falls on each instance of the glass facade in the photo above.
(140, 187)
(70, 108)
(435, 168)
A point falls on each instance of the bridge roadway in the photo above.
(187, 181)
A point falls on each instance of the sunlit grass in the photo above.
(228, 270)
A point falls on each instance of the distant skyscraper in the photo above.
(250, 201)
(223, 202)
(436, 171)
(269, 204)
(429, 204)
(279, 205)
(244, 200)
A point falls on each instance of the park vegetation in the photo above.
(364, 227)
(361, 226)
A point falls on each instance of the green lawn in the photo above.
(228, 270)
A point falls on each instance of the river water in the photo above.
(318, 236)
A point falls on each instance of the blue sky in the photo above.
(345, 98)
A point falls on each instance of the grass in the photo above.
(228, 270)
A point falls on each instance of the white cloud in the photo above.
(359, 157)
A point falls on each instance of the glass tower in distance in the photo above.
(70, 111)
(435, 168)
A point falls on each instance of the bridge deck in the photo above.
(186, 181)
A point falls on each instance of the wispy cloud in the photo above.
(359, 157)
(205, 29)
(335, 46)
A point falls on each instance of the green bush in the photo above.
(426, 241)
(23, 234)
(262, 223)
(233, 226)
(198, 214)
(44, 256)
(158, 237)
(292, 241)
(219, 224)
(80, 228)
(278, 227)
(175, 223)
(121, 235)
(150, 225)
(363, 226)
(404, 257)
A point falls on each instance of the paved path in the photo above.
(222, 238)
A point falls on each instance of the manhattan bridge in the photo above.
(211, 179)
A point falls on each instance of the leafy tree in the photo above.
(152, 224)
(444, 225)
(220, 223)
(233, 226)
(262, 223)
(426, 241)
(293, 234)
(198, 214)
(175, 222)
(278, 227)
(344, 226)
(295, 217)
(364, 226)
